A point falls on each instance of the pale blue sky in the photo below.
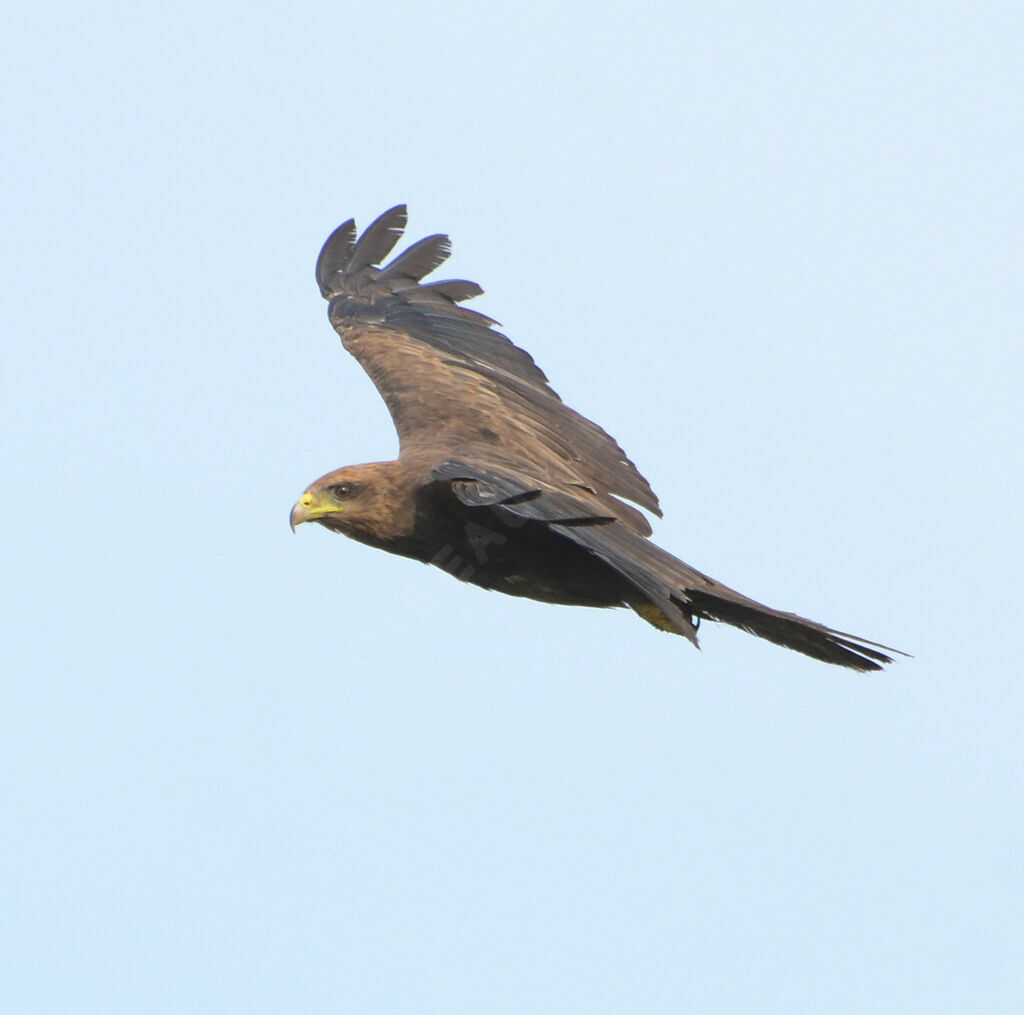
(775, 250)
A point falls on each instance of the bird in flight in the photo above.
(497, 480)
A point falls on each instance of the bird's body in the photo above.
(498, 482)
(474, 544)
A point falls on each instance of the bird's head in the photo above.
(327, 500)
(365, 502)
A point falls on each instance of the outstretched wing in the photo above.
(452, 383)
(680, 595)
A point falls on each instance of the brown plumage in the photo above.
(497, 480)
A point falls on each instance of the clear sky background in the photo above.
(775, 250)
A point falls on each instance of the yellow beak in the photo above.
(308, 508)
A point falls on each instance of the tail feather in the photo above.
(684, 596)
(787, 629)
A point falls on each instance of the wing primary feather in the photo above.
(454, 289)
(334, 255)
(378, 239)
(418, 260)
(420, 295)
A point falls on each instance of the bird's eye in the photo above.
(341, 491)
